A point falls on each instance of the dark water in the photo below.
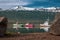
(24, 30)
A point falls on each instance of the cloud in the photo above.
(29, 3)
(15, 3)
(19, 2)
(11, 2)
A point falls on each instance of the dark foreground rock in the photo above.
(55, 27)
(3, 25)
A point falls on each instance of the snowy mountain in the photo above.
(48, 9)
(22, 8)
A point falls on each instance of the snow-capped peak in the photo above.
(50, 8)
(22, 8)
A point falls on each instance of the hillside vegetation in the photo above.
(28, 15)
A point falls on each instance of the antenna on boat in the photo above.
(48, 18)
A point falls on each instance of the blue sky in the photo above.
(29, 3)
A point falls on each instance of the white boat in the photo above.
(45, 26)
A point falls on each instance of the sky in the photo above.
(29, 3)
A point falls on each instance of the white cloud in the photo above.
(14, 3)
(10, 2)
